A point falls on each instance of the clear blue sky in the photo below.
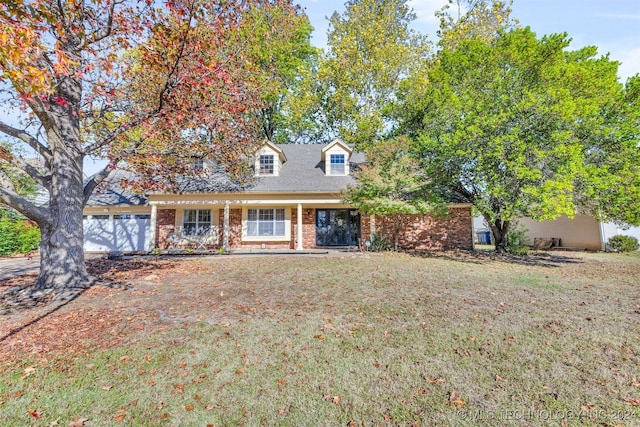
(611, 25)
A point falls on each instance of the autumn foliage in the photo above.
(148, 85)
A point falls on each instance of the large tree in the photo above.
(124, 80)
(370, 50)
(391, 182)
(513, 123)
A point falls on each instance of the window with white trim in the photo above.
(265, 222)
(266, 164)
(197, 222)
(336, 164)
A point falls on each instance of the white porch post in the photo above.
(299, 246)
(372, 225)
(151, 244)
(225, 227)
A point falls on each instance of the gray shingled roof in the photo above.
(111, 193)
(303, 172)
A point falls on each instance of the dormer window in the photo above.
(336, 156)
(336, 164)
(197, 165)
(266, 164)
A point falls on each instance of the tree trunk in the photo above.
(61, 248)
(499, 230)
(62, 258)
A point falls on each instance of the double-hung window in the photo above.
(336, 164)
(197, 222)
(266, 164)
(265, 222)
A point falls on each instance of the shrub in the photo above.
(516, 242)
(18, 236)
(622, 243)
(379, 243)
(28, 237)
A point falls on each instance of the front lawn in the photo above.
(448, 339)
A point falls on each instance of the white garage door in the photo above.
(118, 232)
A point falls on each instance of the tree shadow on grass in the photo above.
(534, 258)
(56, 307)
(21, 297)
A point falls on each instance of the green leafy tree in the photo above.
(285, 58)
(508, 124)
(610, 188)
(371, 49)
(391, 182)
(481, 20)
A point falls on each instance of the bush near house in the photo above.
(18, 236)
(621, 243)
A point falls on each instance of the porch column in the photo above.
(372, 225)
(151, 244)
(225, 227)
(299, 246)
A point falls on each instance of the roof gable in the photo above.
(276, 149)
(336, 143)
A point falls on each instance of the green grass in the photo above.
(383, 339)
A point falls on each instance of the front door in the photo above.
(337, 227)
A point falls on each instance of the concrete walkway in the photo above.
(10, 267)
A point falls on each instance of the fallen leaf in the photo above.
(587, 407)
(189, 407)
(635, 383)
(106, 387)
(119, 418)
(499, 378)
(438, 381)
(239, 371)
(78, 422)
(282, 411)
(632, 401)
(336, 399)
(456, 399)
(35, 413)
(319, 336)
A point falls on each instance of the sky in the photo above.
(611, 25)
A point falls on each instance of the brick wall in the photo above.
(166, 226)
(235, 228)
(416, 232)
(309, 228)
(424, 232)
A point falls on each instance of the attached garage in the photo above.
(116, 232)
(116, 219)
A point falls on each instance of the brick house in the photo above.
(293, 202)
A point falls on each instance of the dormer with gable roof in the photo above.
(269, 160)
(336, 156)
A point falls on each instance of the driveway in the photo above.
(10, 267)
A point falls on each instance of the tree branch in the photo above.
(9, 196)
(111, 136)
(104, 32)
(32, 171)
(94, 181)
(28, 139)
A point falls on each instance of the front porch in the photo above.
(258, 226)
